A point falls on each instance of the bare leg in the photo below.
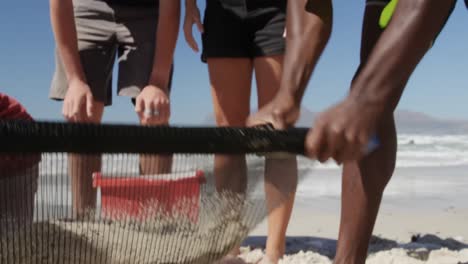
(81, 168)
(364, 183)
(230, 87)
(155, 164)
(363, 186)
(231, 80)
(280, 173)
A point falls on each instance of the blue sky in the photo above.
(438, 87)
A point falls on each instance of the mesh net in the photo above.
(78, 193)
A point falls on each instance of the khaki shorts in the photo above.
(106, 31)
(17, 191)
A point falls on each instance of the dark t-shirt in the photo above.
(10, 109)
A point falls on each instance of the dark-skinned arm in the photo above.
(309, 25)
(342, 132)
(410, 34)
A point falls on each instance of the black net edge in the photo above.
(47, 137)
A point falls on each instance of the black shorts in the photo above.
(244, 28)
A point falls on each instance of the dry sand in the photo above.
(62, 242)
(162, 239)
(417, 201)
(427, 204)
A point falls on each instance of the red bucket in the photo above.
(145, 196)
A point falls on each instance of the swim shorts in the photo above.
(244, 29)
(106, 30)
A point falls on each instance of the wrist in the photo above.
(190, 3)
(76, 79)
(160, 79)
(286, 99)
(286, 107)
(155, 88)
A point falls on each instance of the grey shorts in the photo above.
(106, 31)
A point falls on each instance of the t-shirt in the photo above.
(10, 109)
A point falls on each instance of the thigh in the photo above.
(230, 87)
(268, 72)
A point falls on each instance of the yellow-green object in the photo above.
(387, 14)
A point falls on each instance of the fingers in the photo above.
(199, 23)
(80, 110)
(257, 120)
(278, 120)
(275, 118)
(188, 29)
(89, 106)
(315, 142)
(66, 110)
(148, 111)
(76, 110)
(336, 143)
(189, 37)
(140, 107)
(161, 112)
(324, 143)
(153, 112)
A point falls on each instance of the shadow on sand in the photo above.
(419, 248)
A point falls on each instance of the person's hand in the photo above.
(78, 102)
(153, 106)
(343, 131)
(192, 16)
(281, 113)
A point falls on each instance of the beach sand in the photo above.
(163, 238)
(423, 219)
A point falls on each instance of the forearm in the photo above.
(190, 3)
(403, 44)
(307, 35)
(63, 26)
(166, 39)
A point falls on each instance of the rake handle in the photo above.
(30, 137)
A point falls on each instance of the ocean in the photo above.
(417, 154)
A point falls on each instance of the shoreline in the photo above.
(417, 201)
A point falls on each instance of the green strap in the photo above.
(387, 14)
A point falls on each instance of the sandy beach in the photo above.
(423, 219)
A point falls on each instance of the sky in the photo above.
(438, 87)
